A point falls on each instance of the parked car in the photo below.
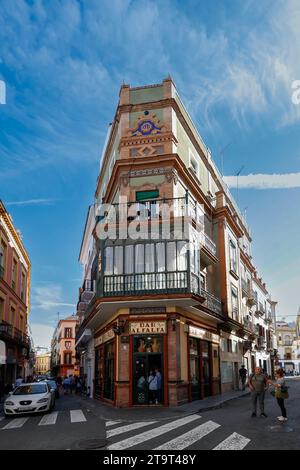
(30, 398)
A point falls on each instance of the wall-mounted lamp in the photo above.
(119, 327)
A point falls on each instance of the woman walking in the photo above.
(281, 394)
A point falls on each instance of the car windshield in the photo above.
(51, 383)
(31, 389)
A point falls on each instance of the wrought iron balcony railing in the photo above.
(208, 243)
(8, 332)
(174, 282)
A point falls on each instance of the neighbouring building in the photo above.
(288, 340)
(14, 301)
(42, 364)
(169, 283)
(63, 354)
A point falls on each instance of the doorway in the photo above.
(148, 372)
(200, 368)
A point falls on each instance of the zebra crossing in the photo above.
(179, 434)
(72, 416)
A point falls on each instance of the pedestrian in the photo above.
(77, 385)
(152, 383)
(18, 381)
(243, 376)
(66, 385)
(72, 383)
(258, 383)
(159, 385)
(281, 393)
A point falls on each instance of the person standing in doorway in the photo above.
(243, 376)
(152, 383)
(258, 383)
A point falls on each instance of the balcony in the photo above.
(87, 291)
(207, 243)
(155, 283)
(260, 309)
(261, 342)
(8, 332)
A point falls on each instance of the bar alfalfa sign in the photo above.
(147, 327)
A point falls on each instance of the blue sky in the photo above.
(63, 62)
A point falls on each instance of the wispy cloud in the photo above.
(30, 202)
(263, 181)
(49, 297)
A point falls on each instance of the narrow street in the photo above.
(76, 423)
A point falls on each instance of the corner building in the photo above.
(159, 302)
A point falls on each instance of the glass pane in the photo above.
(161, 257)
(171, 256)
(139, 259)
(150, 264)
(181, 256)
(108, 261)
(129, 259)
(150, 344)
(118, 262)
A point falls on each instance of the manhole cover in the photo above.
(280, 428)
(92, 444)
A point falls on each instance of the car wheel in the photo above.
(53, 405)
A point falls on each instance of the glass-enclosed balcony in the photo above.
(153, 268)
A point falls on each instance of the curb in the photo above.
(221, 404)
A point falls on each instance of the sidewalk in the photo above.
(107, 412)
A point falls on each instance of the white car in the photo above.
(30, 398)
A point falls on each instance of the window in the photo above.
(118, 260)
(194, 165)
(109, 261)
(233, 257)
(22, 323)
(68, 332)
(67, 344)
(139, 258)
(234, 303)
(149, 258)
(129, 260)
(1, 310)
(12, 316)
(2, 258)
(23, 287)
(14, 274)
(161, 257)
(68, 358)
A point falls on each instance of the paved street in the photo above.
(76, 420)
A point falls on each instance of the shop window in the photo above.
(144, 344)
